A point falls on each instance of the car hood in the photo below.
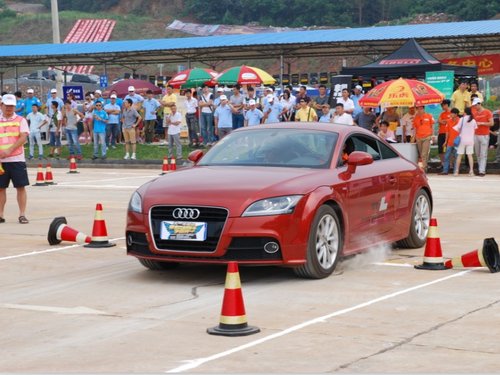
(232, 187)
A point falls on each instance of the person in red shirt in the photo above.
(450, 135)
(423, 124)
(484, 119)
(443, 124)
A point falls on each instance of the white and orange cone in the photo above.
(40, 181)
(72, 165)
(49, 178)
(60, 231)
(433, 255)
(489, 257)
(173, 165)
(99, 231)
(233, 319)
(165, 167)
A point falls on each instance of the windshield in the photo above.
(277, 147)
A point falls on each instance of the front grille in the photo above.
(250, 248)
(215, 218)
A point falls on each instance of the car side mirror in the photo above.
(195, 156)
(355, 159)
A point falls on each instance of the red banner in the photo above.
(486, 64)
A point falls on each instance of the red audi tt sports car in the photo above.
(300, 195)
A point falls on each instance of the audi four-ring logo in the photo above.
(186, 213)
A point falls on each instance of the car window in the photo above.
(274, 147)
(359, 142)
(386, 152)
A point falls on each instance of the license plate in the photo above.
(183, 231)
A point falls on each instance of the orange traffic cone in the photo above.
(49, 179)
(72, 165)
(173, 165)
(233, 320)
(59, 231)
(99, 232)
(488, 257)
(433, 255)
(39, 177)
(166, 167)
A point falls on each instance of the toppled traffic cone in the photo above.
(49, 179)
(72, 165)
(99, 232)
(59, 231)
(233, 320)
(173, 165)
(433, 255)
(165, 167)
(489, 257)
(40, 181)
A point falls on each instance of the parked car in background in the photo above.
(43, 74)
(83, 78)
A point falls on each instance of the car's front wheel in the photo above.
(324, 246)
(420, 219)
(154, 265)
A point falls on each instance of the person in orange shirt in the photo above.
(450, 135)
(423, 124)
(484, 119)
(443, 124)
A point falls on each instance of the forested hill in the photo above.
(295, 13)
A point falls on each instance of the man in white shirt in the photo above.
(341, 117)
(206, 103)
(36, 120)
(191, 119)
(347, 103)
(174, 132)
(407, 125)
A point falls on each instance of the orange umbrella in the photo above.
(401, 93)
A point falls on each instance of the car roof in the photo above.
(342, 130)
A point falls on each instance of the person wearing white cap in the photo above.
(53, 98)
(272, 110)
(135, 97)
(358, 94)
(484, 120)
(113, 126)
(168, 101)
(253, 115)
(223, 117)
(14, 132)
(98, 97)
(30, 100)
(267, 92)
(219, 92)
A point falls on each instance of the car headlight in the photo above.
(135, 203)
(273, 206)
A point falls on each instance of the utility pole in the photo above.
(56, 39)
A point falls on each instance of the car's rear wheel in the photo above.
(155, 265)
(419, 225)
(324, 246)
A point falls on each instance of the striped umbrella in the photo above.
(192, 78)
(244, 75)
(401, 93)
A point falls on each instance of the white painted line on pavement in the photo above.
(51, 250)
(192, 364)
(98, 186)
(105, 179)
(79, 310)
(393, 264)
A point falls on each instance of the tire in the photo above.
(155, 265)
(419, 225)
(322, 253)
